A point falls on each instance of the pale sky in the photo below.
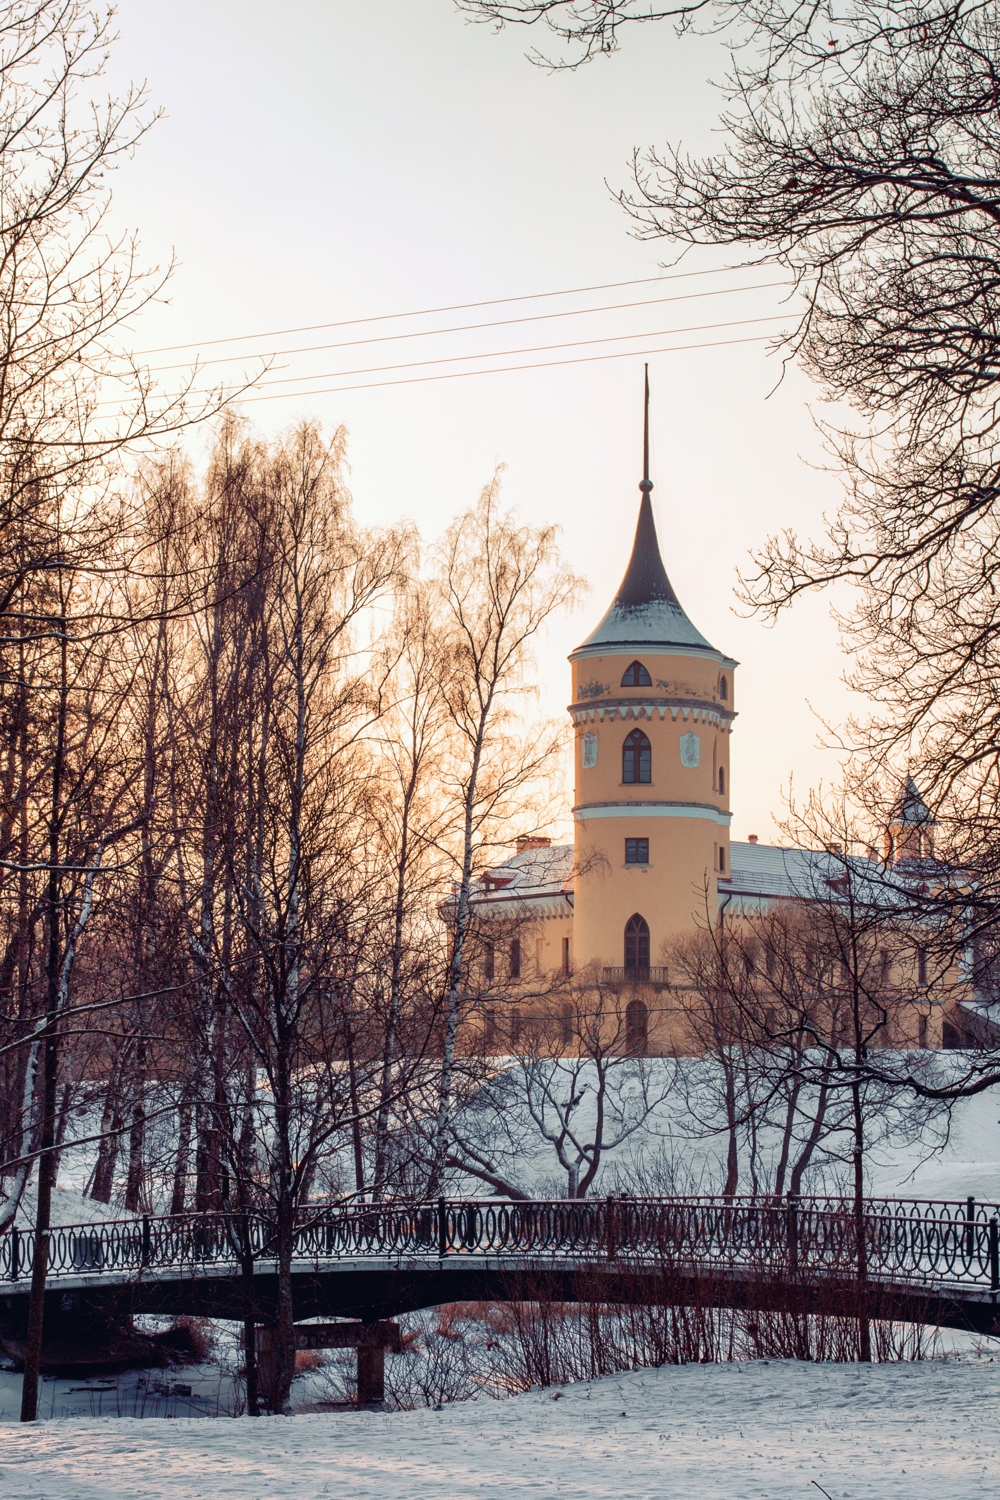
(325, 160)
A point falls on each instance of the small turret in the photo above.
(910, 832)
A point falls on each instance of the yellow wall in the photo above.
(686, 818)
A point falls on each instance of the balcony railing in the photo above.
(636, 976)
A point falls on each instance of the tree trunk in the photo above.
(179, 1192)
(864, 1324)
(50, 1045)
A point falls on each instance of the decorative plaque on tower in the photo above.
(690, 750)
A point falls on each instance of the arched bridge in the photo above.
(922, 1261)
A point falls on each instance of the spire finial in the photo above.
(647, 483)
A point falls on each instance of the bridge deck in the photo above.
(921, 1261)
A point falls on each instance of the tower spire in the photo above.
(646, 484)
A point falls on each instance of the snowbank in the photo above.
(700, 1432)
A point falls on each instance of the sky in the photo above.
(321, 161)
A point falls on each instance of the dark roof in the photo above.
(910, 807)
(646, 611)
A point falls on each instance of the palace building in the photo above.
(653, 709)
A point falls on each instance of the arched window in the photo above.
(637, 944)
(637, 758)
(636, 1027)
(637, 676)
(722, 782)
(723, 689)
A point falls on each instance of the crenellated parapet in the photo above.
(627, 708)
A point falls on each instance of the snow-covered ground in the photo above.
(767, 1431)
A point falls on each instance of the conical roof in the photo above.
(646, 611)
(910, 807)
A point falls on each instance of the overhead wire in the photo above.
(276, 333)
(454, 359)
(425, 333)
(546, 364)
(490, 354)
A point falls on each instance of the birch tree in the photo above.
(499, 582)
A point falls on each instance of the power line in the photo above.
(454, 359)
(494, 354)
(582, 359)
(426, 333)
(277, 333)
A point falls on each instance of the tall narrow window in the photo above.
(565, 952)
(722, 861)
(516, 1026)
(637, 851)
(515, 960)
(636, 676)
(637, 758)
(566, 1025)
(722, 782)
(637, 944)
(723, 689)
(921, 967)
(491, 1028)
(489, 963)
(636, 1028)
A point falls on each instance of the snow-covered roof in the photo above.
(757, 872)
(768, 871)
(646, 611)
(533, 875)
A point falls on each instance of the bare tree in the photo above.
(277, 855)
(412, 827)
(570, 1084)
(498, 583)
(827, 990)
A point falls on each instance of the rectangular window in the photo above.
(637, 851)
(515, 959)
(722, 861)
(489, 964)
(921, 967)
(565, 964)
(491, 1028)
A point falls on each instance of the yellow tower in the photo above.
(653, 710)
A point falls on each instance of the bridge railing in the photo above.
(896, 1239)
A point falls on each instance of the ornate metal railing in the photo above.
(917, 1241)
(652, 976)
